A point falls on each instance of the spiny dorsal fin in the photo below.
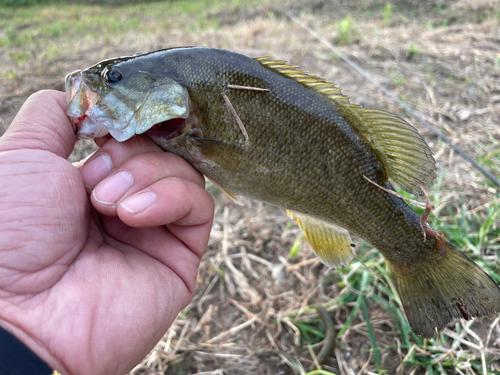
(406, 157)
(302, 76)
(332, 244)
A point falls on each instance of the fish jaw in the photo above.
(81, 105)
(90, 119)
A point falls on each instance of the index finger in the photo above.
(41, 124)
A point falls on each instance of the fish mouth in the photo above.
(90, 119)
(191, 125)
(81, 108)
(168, 129)
(87, 112)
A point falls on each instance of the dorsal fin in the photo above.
(406, 158)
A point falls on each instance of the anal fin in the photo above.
(332, 244)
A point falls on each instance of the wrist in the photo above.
(31, 351)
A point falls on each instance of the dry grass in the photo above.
(253, 309)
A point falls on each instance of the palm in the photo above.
(92, 292)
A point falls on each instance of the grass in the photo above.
(477, 232)
(84, 22)
(103, 3)
(347, 32)
(364, 291)
(413, 49)
(387, 14)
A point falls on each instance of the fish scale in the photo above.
(308, 150)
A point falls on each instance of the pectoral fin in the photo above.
(236, 199)
(332, 244)
(227, 156)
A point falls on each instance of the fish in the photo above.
(268, 130)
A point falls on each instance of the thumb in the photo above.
(41, 124)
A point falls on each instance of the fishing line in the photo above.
(395, 99)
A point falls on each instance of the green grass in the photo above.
(347, 31)
(413, 49)
(47, 30)
(31, 3)
(297, 246)
(37, 24)
(367, 291)
(387, 14)
(475, 232)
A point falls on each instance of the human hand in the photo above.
(91, 284)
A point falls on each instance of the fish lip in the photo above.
(77, 101)
(68, 84)
(90, 129)
(87, 119)
(76, 97)
(96, 122)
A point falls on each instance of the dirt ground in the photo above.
(442, 58)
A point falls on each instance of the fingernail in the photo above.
(96, 171)
(139, 202)
(112, 189)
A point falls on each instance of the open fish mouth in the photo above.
(89, 118)
(81, 108)
(94, 114)
(168, 129)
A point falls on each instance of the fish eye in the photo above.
(113, 75)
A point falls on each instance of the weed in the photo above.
(10, 38)
(400, 81)
(10, 75)
(296, 246)
(412, 50)
(347, 32)
(19, 57)
(387, 14)
(51, 52)
(56, 29)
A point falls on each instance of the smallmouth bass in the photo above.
(267, 130)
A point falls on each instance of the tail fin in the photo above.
(452, 287)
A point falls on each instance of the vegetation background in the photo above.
(259, 281)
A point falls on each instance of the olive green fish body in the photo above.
(267, 130)
(301, 155)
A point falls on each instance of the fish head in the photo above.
(123, 97)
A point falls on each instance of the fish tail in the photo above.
(448, 287)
